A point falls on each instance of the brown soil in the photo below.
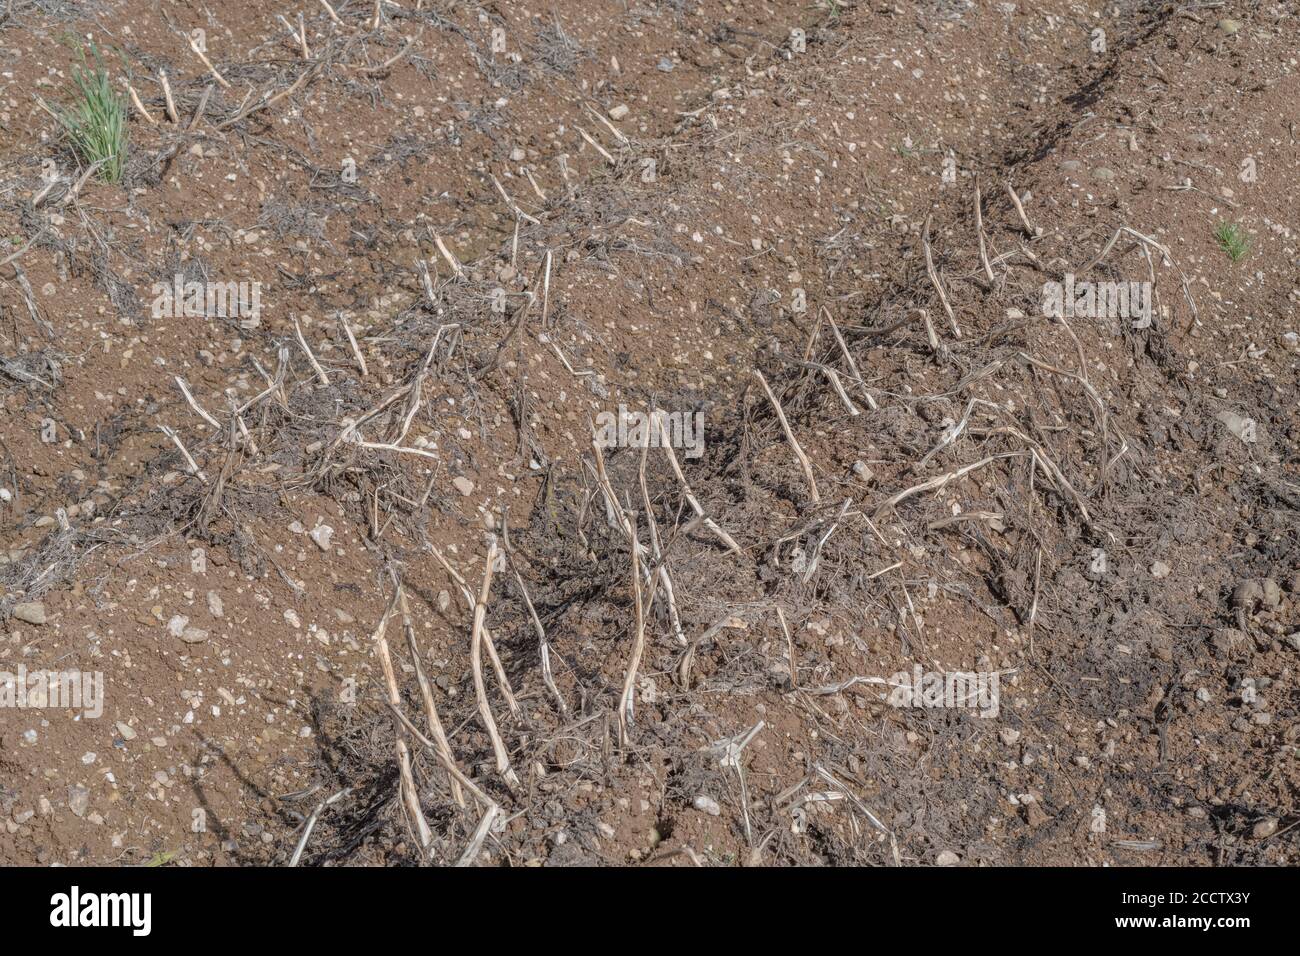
(646, 203)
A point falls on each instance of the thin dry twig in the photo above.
(1030, 231)
(789, 437)
(356, 349)
(426, 695)
(172, 115)
(979, 230)
(939, 481)
(666, 444)
(476, 665)
(139, 106)
(489, 644)
(410, 797)
(216, 74)
(311, 357)
(310, 825)
(848, 358)
(626, 703)
(544, 647)
(933, 273)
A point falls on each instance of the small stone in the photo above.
(176, 626)
(216, 607)
(1009, 735)
(124, 731)
(78, 800)
(1160, 570)
(665, 65)
(194, 635)
(291, 616)
(618, 112)
(1035, 816)
(863, 471)
(1272, 594)
(1229, 642)
(30, 612)
(706, 804)
(343, 616)
(1103, 174)
(1243, 428)
(605, 830)
(947, 858)
(1247, 595)
(1229, 27)
(1265, 828)
(321, 534)
(463, 485)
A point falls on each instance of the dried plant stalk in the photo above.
(544, 647)
(135, 101)
(709, 523)
(216, 75)
(476, 664)
(1030, 231)
(426, 694)
(848, 357)
(625, 708)
(167, 97)
(664, 579)
(940, 480)
(933, 273)
(979, 230)
(320, 372)
(410, 798)
(789, 437)
(506, 690)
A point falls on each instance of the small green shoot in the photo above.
(95, 121)
(1232, 240)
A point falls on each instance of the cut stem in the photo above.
(789, 437)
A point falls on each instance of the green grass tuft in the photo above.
(95, 122)
(1232, 240)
